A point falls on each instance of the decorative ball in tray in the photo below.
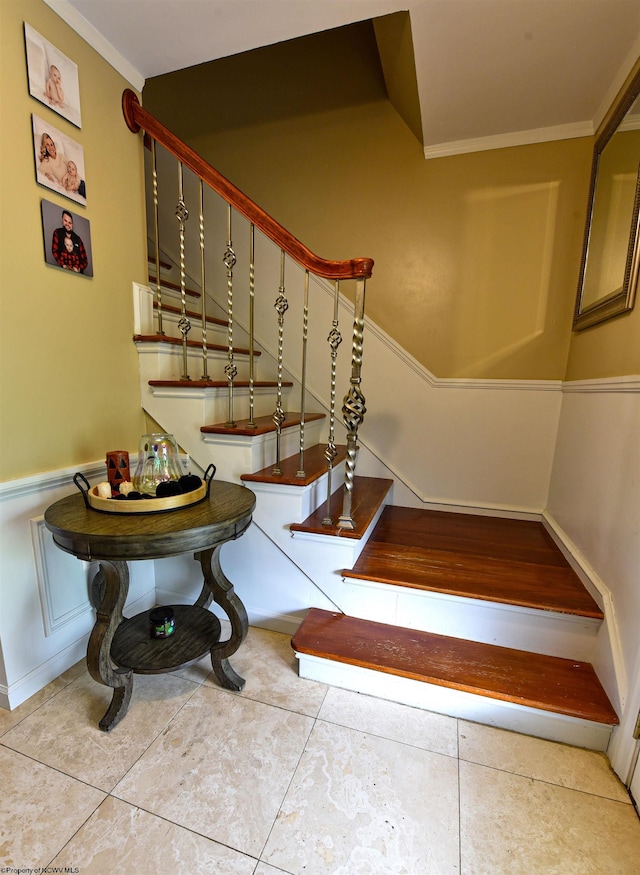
(158, 484)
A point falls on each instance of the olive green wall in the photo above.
(477, 255)
(395, 47)
(68, 368)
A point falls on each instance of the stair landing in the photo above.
(447, 669)
(498, 560)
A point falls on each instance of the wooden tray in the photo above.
(143, 505)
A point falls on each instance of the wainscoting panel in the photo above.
(45, 613)
(594, 509)
(63, 580)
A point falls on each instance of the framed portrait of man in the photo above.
(67, 239)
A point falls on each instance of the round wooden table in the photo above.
(119, 647)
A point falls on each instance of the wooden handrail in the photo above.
(138, 118)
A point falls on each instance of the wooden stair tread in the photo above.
(490, 558)
(175, 287)
(191, 344)
(548, 683)
(505, 538)
(165, 265)
(514, 583)
(192, 314)
(315, 465)
(214, 384)
(368, 494)
(263, 424)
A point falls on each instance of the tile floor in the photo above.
(294, 777)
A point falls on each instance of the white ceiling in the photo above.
(490, 72)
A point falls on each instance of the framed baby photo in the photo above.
(59, 161)
(67, 239)
(53, 78)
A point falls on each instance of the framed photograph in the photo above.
(67, 239)
(59, 161)
(53, 78)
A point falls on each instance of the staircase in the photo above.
(461, 596)
(469, 615)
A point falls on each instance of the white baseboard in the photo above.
(286, 623)
(608, 662)
(274, 622)
(15, 694)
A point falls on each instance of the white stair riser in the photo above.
(202, 406)
(456, 703)
(512, 626)
(240, 454)
(182, 412)
(215, 333)
(288, 504)
(320, 557)
(169, 358)
(165, 362)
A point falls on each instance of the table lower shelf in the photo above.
(196, 631)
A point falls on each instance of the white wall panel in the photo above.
(37, 580)
(594, 501)
(63, 580)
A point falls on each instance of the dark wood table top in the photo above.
(91, 534)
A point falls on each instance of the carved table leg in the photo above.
(96, 588)
(218, 586)
(113, 591)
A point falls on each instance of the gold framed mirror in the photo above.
(611, 249)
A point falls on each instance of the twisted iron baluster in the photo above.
(205, 375)
(334, 339)
(353, 409)
(252, 287)
(156, 235)
(182, 214)
(281, 305)
(305, 332)
(230, 370)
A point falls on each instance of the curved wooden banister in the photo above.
(138, 118)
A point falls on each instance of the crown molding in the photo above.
(514, 138)
(94, 38)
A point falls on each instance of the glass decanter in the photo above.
(158, 460)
